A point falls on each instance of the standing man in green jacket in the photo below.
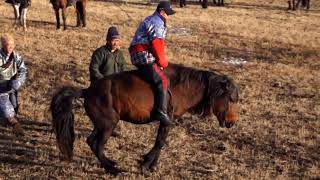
(107, 59)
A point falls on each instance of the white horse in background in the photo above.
(20, 8)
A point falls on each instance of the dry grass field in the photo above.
(278, 135)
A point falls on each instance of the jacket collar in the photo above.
(156, 13)
(3, 53)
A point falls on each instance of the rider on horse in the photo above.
(12, 76)
(147, 54)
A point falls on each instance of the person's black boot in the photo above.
(160, 109)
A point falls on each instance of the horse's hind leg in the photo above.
(81, 13)
(78, 19)
(151, 159)
(16, 14)
(78, 9)
(23, 18)
(98, 138)
(298, 4)
(84, 15)
(64, 18)
(56, 10)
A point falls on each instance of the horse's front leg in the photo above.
(84, 16)
(298, 4)
(23, 18)
(56, 10)
(64, 18)
(151, 159)
(16, 14)
(78, 19)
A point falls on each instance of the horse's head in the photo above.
(222, 98)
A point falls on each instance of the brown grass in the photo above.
(278, 135)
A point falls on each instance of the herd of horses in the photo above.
(292, 4)
(21, 6)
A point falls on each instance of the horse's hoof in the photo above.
(113, 163)
(144, 169)
(113, 171)
(153, 168)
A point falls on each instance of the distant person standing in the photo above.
(108, 59)
(12, 76)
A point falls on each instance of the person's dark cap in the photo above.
(166, 7)
(112, 33)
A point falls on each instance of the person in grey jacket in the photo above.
(107, 59)
(13, 72)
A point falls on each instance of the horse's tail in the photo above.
(63, 118)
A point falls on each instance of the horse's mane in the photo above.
(216, 85)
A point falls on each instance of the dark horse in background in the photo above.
(20, 8)
(293, 6)
(127, 97)
(204, 3)
(63, 4)
(216, 2)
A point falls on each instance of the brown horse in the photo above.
(293, 6)
(127, 97)
(62, 4)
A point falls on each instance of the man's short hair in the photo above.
(6, 38)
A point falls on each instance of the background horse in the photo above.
(62, 4)
(293, 6)
(216, 2)
(20, 8)
(127, 97)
